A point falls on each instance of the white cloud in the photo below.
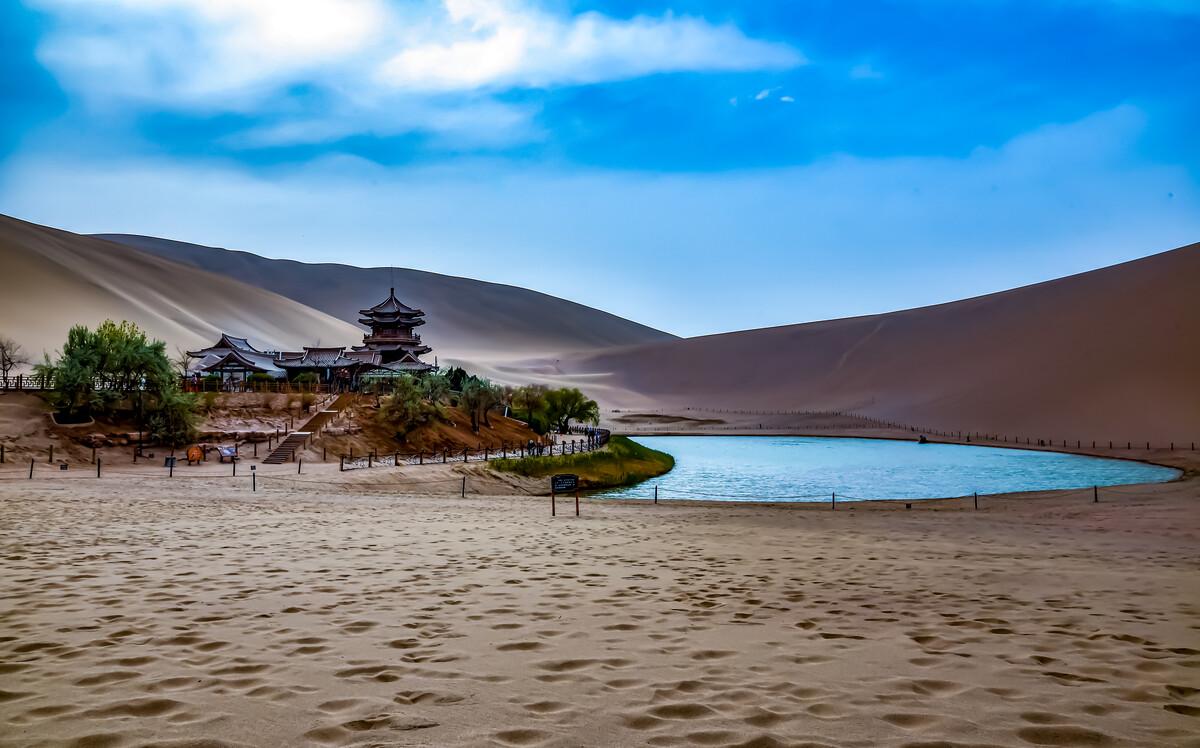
(787, 99)
(763, 94)
(230, 54)
(508, 44)
(207, 53)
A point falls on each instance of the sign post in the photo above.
(564, 483)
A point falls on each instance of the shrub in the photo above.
(306, 381)
(406, 408)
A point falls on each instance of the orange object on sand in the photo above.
(195, 454)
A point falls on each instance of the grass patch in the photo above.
(622, 462)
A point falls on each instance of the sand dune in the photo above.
(1108, 354)
(54, 279)
(467, 320)
(189, 611)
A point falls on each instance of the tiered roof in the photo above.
(319, 358)
(391, 311)
(230, 352)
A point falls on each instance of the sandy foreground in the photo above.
(136, 610)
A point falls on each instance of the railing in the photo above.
(593, 440)
(26, 383)
(868, 422)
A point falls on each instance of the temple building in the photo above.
(392, 336)
(390, 348)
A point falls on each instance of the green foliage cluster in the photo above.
(115, 370)
(306, 381)
(479, 397)
(415, 400)
(545, 409)
(622, 462)
(406, 407)
(456, 376)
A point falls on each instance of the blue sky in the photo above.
(697, 166)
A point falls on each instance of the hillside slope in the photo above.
(1109, 354)
(467, 320)
(54, 279)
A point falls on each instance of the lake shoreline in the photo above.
(1184, 463)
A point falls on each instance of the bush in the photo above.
(622, 462)
(259, 379)
(406, 408)
(306, 381)
(569, 404)
(173, 422)
(116, 370)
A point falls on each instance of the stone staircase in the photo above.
(286, 450)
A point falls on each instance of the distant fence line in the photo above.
(868, 422)
(592, 440)
(459, 486)
(42, 383)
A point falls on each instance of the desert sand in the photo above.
(140, 610)
(55, 279)
(467, 321)
(1104, 355)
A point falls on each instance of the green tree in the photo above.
(457, 376)
(306, 381)
(173, 420)
(479, 397)
(435, 387)
(529, 400)
(569, 404)
(117, 364)
(406, 408)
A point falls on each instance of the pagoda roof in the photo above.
(226, 342)
(391, 307)
(319, 358)
(253, 361)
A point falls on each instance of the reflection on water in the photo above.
(791, 468)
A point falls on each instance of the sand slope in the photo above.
(467, 319)
(53, 279)
(1108, 354)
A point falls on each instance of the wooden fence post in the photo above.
(30, 468)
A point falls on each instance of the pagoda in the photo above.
(392, 336)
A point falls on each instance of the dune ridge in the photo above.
(1107, 354)
(54, 279)
(467, 320)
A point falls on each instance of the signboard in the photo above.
(564, 483)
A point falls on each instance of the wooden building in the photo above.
(389, 349)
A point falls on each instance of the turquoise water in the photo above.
(792, 468)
